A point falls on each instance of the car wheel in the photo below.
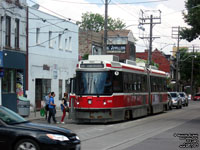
(27, 144)
(170, 107)
(180, 106)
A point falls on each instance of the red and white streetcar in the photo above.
(108, 90)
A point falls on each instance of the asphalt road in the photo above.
(172, 130)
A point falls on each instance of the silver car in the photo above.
(184, 98)
(176, 99)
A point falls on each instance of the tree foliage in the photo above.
(95, 22)
(191, 18)
(185, 65)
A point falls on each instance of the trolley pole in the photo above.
(150, 41)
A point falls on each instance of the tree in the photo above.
(95, 22)
(192, 19)
(185, 65)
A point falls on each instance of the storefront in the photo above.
(43, 87)
(13, 80)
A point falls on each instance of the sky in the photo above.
(171, 16)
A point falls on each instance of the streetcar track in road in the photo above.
(161, 117)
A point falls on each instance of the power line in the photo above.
(53, 12)
(48, 40)
(79, 3)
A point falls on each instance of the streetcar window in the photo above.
(125, 82)
(117, 83)
(94, 83)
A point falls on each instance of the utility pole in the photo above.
(151, 20)
(145, 19)
(191, 86)
(176, 35)
(105, 28)
(150, 41)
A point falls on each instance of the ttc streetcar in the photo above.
(106, 90)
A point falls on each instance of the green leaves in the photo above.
(191, 18)
(95, 22)
(185, 65)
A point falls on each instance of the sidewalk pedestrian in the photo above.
(47, 104)
(64, 107)
(52, 108)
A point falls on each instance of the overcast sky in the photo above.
(171, 16)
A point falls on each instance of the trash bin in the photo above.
(23, 106)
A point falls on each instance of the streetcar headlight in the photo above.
(89, 101)
(104, 103)
(77, 103)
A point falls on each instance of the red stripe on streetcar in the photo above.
(136, 69)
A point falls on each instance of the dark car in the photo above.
(18, 134)
(196, 97)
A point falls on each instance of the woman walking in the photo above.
(64, 107)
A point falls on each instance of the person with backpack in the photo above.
(47, 104)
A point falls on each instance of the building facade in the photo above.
(13, 46)
(90, 42)
(53, 56)
(158, 57)
(120, 43)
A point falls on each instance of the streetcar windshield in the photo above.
(94, 83)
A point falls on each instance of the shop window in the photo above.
(60, 89)
(9, 81)
(8, 31)
(19, 83)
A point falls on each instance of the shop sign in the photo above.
(46, 67)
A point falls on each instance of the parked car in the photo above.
(169, 102)
(184, 98)
(16, 133)
(176, 99)
(196, 97)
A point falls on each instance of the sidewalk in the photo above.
(36, 115)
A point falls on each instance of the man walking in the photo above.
(52, 108)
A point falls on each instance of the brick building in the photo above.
(120, 43)
(90, 42)
(158, 57)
